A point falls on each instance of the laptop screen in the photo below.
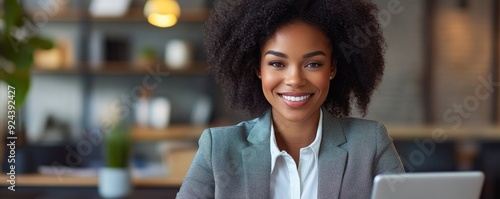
(442, 185)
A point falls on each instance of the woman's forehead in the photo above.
(298, 35)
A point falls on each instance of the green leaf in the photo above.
(20, 80)
(42, 43)
(24, 58)
(19, 53)
(12, 13)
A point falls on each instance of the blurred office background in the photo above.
(439, 97)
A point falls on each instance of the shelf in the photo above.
(193, 132)
(46, 180)
(177, 168)
(62, 15)
(423, 132)
(396, 132)
(125, 68)
(177, 132)
(137, 15)
(178, 165)
(70, 70)
(134, 14)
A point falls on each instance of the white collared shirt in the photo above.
(290, 181)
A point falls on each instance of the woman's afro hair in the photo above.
(237, 29)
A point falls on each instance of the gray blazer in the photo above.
(235, 161)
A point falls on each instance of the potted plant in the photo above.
(114, 178)
(16, 48)
(147, 57)
(18, 41)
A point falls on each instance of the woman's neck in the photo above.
(291, 136)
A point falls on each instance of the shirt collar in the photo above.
(315, 145)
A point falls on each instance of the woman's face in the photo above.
(295, 68)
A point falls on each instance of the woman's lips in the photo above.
(295, 100)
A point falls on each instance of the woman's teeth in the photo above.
(296, 98)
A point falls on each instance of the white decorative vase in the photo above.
(177, 54)
(142, 112)
(160, 110)
(114, 182)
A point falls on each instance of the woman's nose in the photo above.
(294, 76)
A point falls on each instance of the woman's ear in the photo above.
(333, 69)
(257, 72)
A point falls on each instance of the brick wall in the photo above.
(398, 98)
(462, 46)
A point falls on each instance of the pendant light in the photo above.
(162, 13)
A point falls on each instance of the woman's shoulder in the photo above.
(232, 133)
(354, 122)
(363, 128)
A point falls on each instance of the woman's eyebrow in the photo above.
(312, 54)
(308, 55)
(276, 54)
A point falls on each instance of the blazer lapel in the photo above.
(332, 158)
(257, 159)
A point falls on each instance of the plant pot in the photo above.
(114, 182)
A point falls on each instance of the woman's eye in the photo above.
(314, 65)
(276, 64)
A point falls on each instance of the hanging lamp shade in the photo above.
(162, 13)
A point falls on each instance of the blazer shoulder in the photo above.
(359, 123)
(359, 128)
(239, 131)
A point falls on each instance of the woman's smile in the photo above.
(295, 100)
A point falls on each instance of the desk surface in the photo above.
(79, 181)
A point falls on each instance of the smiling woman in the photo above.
(296, 68)
(296, 65)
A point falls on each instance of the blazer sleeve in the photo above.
(199, 180)
(387, 159)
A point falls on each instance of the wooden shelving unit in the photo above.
(125, 68)
(177, 132)
(178, 168)
(422, 132)
(187, 132)
(77, 16)
(63, 70)
(134, 14)
(44, 180)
